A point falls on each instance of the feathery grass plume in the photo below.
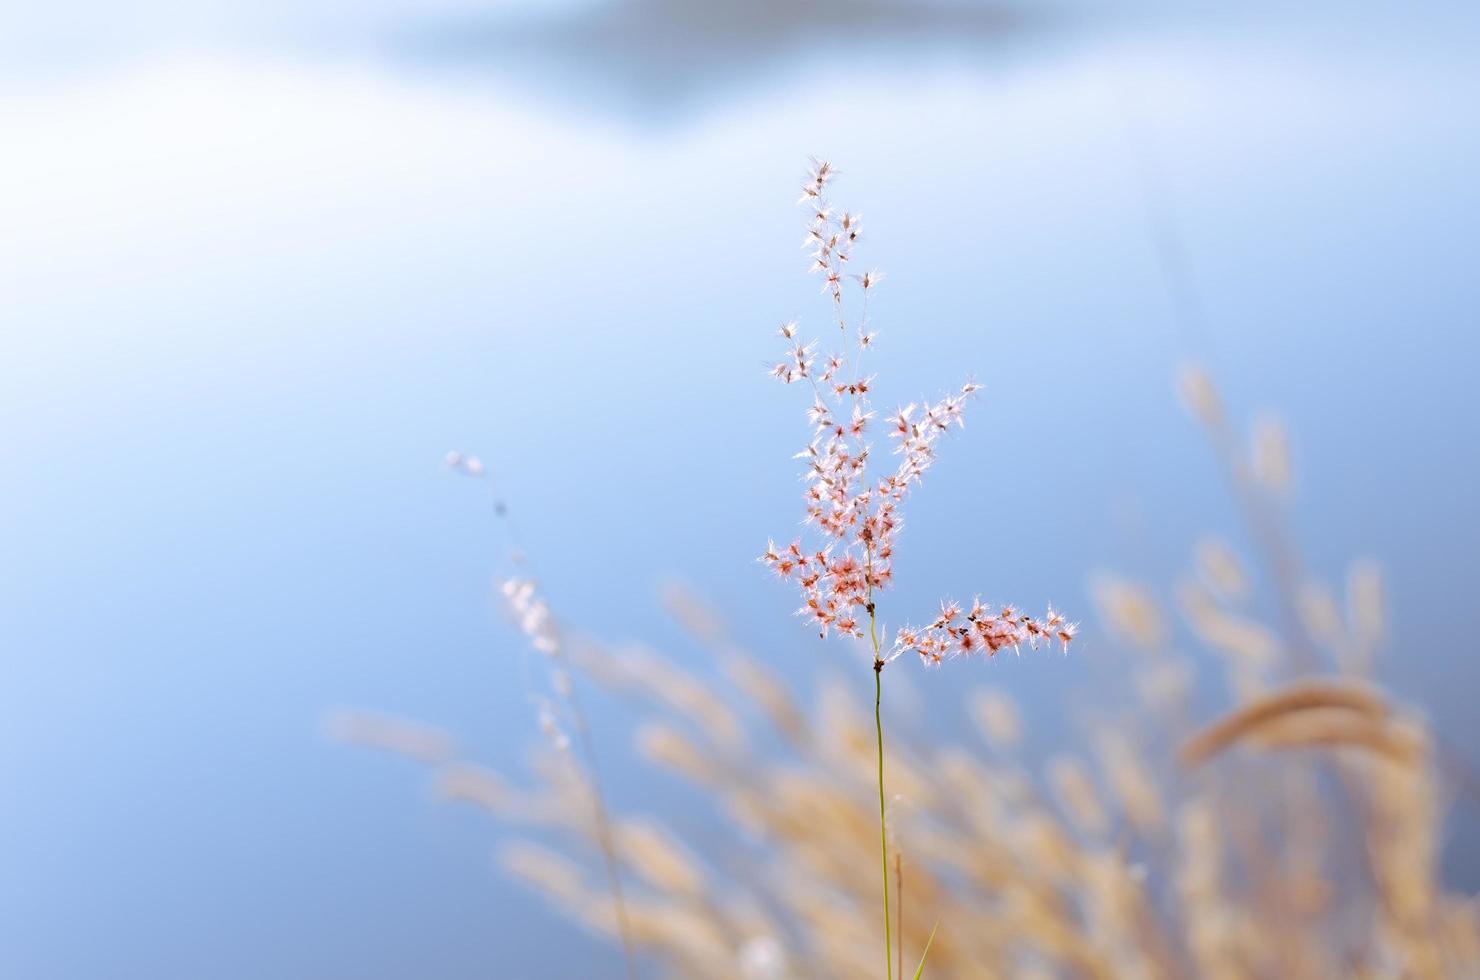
(1259, 477)
(537, 622)
(1300, 697)
(1338, 729)
(1320, 615)
(1033, 893)
(996, 717)
(1130, 611)
(854, 515)
(548, 871)
(1220, 570)
(1269, 455)
(660, 860)
(1076, 794)
(1366, 602)
(478, 786)
(1130, 780)
(398, 736)
(539, 625)
(1237, 636)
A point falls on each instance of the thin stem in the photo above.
(873, 632)
(604, 837)
(883, 832)
(899, 909)
(604, 833)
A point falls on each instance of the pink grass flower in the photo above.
(851, 508)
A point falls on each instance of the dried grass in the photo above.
(1298, 834)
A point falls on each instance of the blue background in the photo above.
(261, 266)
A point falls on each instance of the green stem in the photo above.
(919, 970)
(873, 633)
(883, 833)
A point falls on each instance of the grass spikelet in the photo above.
(1128, 610)
(1130, 781)
(1366, 604)
(371, 730)
(656, 678)
(1319, 615)
(1269, 456)
(1200, 397)
(1221, 571)
(1075, 792)
(668, 747)
(770, 695)
(1229, 633)
(658, 859)
(1335, 728)
(550, 873)
(1293, 699)
(996, 717)
(474, 784)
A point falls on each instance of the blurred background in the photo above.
(262, 265)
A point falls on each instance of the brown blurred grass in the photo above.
(1296, 833)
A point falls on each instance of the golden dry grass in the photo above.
(1296, 833)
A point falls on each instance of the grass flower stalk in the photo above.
(604, 835)
(538, 624)
(856, 515)
(883, 826)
